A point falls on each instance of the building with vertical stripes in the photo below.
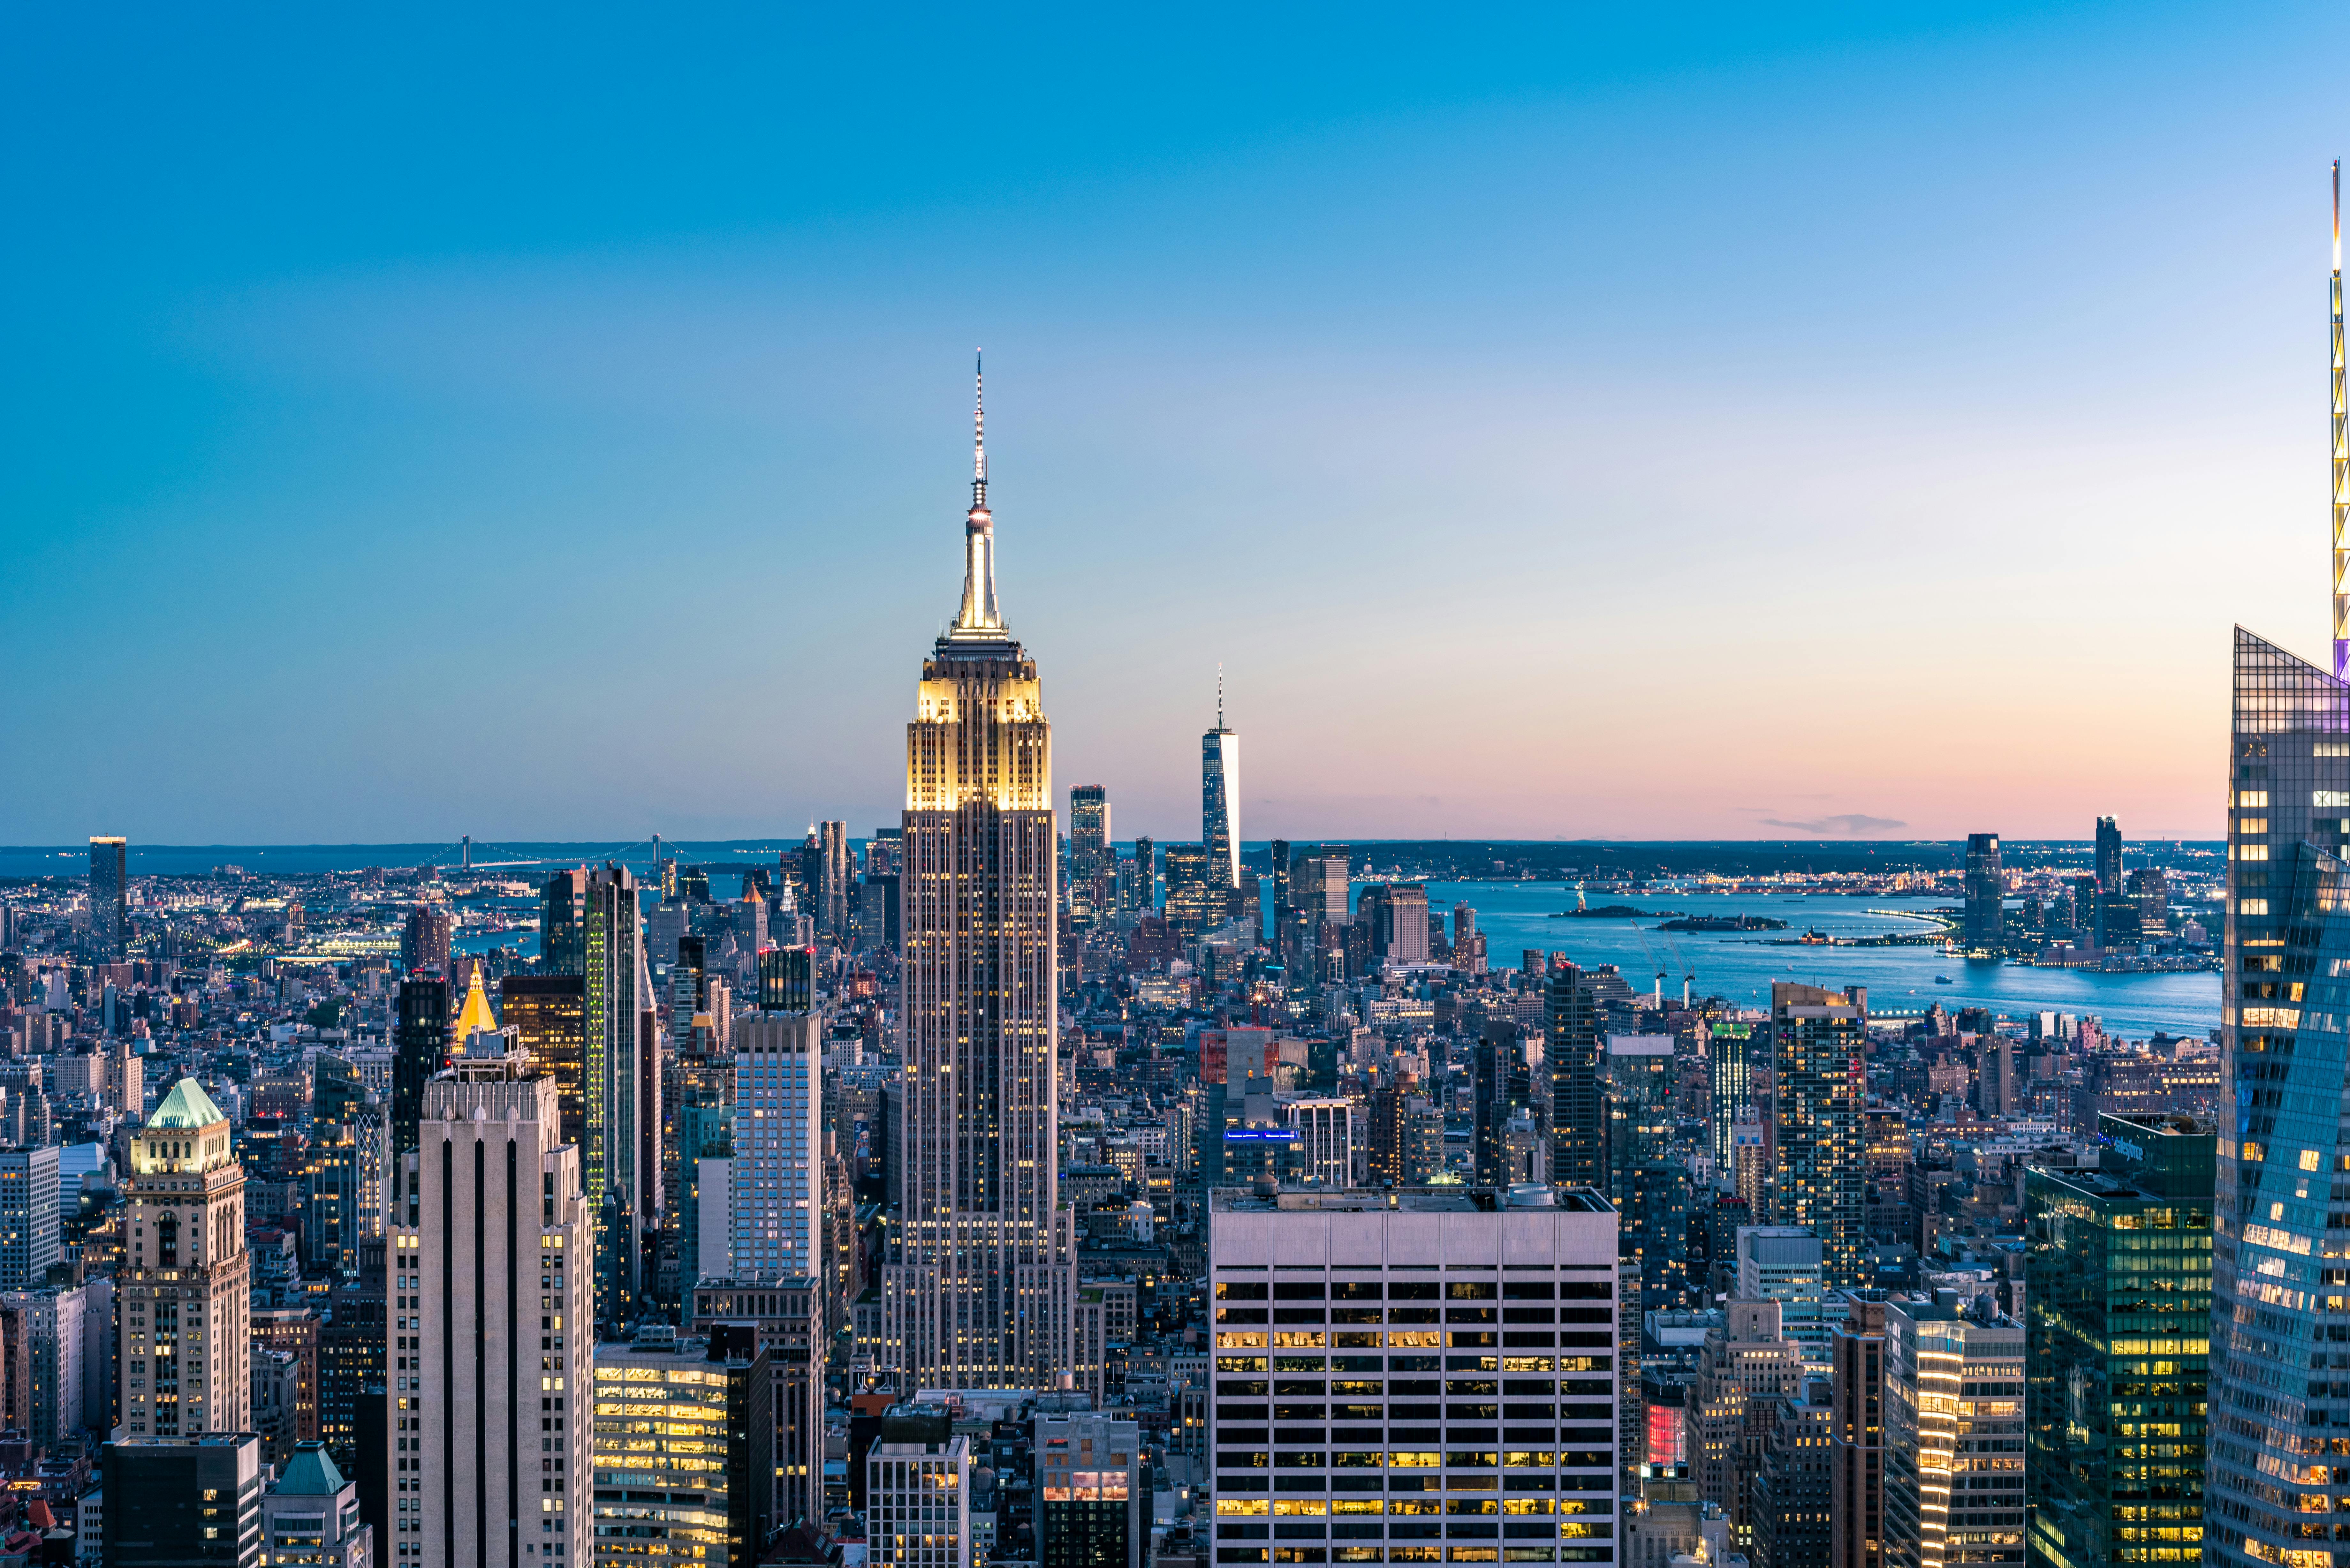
(493, 1334)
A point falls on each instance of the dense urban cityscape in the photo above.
(998, 1173)
(991, 1189)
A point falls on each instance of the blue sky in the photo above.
(1715, 422)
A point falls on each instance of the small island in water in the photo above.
(1724, 923)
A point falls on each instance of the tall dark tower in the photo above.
(109, 911)
(2109, 857)
(1984, 890)
(979, 1298)
(1578, 1104)
(1220, 798)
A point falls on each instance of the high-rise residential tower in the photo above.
(1579, 1117)
(1820, 1041)
(975, 1299)
(2109, 857)
(110, 912)
(185, 1291)
(776, 1178)
(1984, 890)
(1219, 797)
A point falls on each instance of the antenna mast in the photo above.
(2341, 453)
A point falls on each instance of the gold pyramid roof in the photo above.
(475, 1014)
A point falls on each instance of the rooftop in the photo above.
(1407, 1200)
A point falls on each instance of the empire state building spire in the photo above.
(979, 620)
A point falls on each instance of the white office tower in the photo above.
(186, 1293)
(1422, 1375)
(918, 1504)
(492, 1300)
(1783, 1263)
(980, 1297)
(1325, 1139)
(775, 1180)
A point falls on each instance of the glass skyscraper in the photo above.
(1820, 1041)
(110, 912)
(2280, 1385)
(1220, 800)
(2119, 1299)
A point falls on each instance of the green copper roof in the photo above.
(310, 1473)
(187, 1105)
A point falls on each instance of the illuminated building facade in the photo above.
(1985, 886)
(974, 1298)
(1092, 862)
(185, 1296)
(2280, 1278)
(1819, 1048)
(684, 1450)
(1417, 1376)
(1954, 1453)
(2118, 1300)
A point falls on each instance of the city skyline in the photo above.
(321, 446)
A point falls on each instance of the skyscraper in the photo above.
(420, 1043)
(1220, 798)
(777, 1176)
(490, 1430)
(1820, 1040)
(1140, 890)
(620, 1116)
(2119, 1274)
(562, 921)
(1984, 890)
(2109, 857)
(1578, 1103)
(1091, 859)
(1954, 1456)
(185, 1294)
(110, 912)
(1195, 902)
(2282, 1046)
(424, 942)
(973, 1299)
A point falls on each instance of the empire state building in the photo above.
(980, 1294)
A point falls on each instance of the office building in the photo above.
(975, 1297)
(1325, 1139)
(1782, 1264)
(776, 1178)
(684, 1450)
(1791, 1485)
(1744, 1364)
(918, 1504)
(1220, 799)
(50, 1360)
(1574, 1053)
(620, 1110)
(1319, 888)
(788, 1320)
(310, 1518)
(424, 942)
(198, 1501)
(109, 894)
(1196, 902)
(787, 979)
(1138, 888)
(2119, 1300)
(1092, 861)
(352, 1368)
(1820, 1180)
(1413, 1371)
(1985, 887)
(185, 1292)
(293, 1333)
(2282, 1050)
(493, 1337)
(548, 1013)
(28, 1217)
(1954, 1450)
(2109, 857)
(563, 921)
(1856, 1434)
(1091, 1487)
(2150, 890)
(419, 1046)
(1406, 1146)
